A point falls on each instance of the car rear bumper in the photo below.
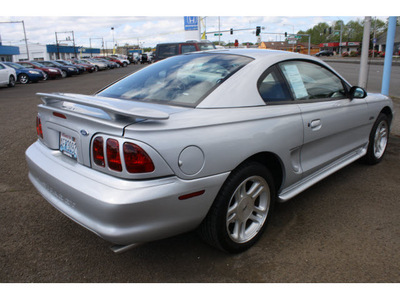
(120, 211)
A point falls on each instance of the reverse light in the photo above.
(113, 157)
(39, 130)
(136, 159)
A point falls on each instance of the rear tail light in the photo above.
(113, 157)
(136, 159)
(39, 130)
(98, 152)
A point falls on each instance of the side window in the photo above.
(311, 81)
(188, 48)
(1, 67)
(272, 87)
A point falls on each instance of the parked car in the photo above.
(121, 63)
(7, 76)
(88, 67)
(66, 71)
(324, 53)
(25, 75)
(122, 58)
(165, 50)
(67, 63)
(110, 64)
(206, 140)
(50, 72)
(97, 64)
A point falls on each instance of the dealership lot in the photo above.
(344, 229)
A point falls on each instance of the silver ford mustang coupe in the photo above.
(205, 140)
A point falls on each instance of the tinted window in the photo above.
(188, 48)
(311, 81)
(272, 87)
(164, 51)
(205, 46)
(181, 80)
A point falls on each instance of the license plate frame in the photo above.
(68, 145)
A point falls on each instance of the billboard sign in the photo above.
(191, 23)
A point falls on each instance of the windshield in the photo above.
(38, 64)
(15, 66)
(182, 80)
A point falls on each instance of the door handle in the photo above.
(315, 124)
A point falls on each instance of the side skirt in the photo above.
(312, 179)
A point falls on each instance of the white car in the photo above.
(7, 76)
(121, 58)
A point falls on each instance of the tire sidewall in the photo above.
(370, 157)
(223, 199)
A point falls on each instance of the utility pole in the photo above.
(25, 39)
(363, 75)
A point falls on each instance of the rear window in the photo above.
(183, 80)
(206, 46)
(164, 51)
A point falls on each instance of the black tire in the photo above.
(11, 81)
(238, 216)
(378, 140)
(23, 78)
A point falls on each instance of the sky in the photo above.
(157, 21)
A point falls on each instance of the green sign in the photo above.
(217, 34)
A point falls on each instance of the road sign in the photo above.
(217, 34)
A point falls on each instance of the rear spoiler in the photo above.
(115, 108)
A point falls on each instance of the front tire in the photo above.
(11, 81)
(241, 209)
(23, 78)
(378, 140)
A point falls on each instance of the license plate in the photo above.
(68, 145)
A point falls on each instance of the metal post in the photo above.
(363, 75)
(26, 41)
(387, 68)
(73, 43)
(309, 44)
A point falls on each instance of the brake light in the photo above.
(39, 130)
(113, 157)
(98, 152)
(136, 159)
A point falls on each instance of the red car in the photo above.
(114, 59)
(50, 72)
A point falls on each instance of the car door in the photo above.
(334, 126)
(3, 75)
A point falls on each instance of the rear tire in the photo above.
(378, 140)
(241, 209)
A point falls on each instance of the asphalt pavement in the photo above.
(346, 228)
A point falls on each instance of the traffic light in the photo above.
(330, 30)
(285, 34)
(258, 30)
(231, 30)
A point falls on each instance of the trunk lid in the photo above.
(69, 121)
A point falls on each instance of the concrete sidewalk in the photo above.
(356, 60)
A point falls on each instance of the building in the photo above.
(346, 46)
(53, 52)
(8, 52)
(285, 46)
(381, 42)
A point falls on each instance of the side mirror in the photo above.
(357, 92)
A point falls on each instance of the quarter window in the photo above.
(312, 81)
(272, 87)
